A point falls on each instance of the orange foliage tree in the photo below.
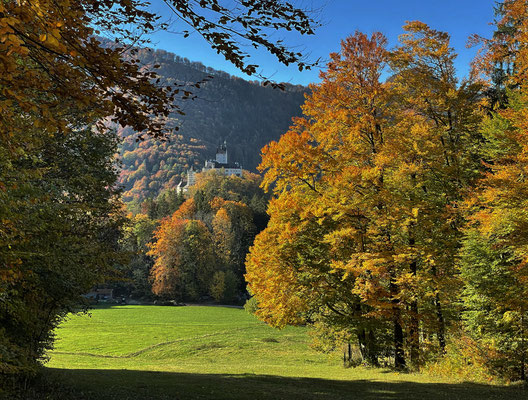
(184, 260)
(226, 229)
(233, 230)
(374, 170)
(434, 148)
(327, 239)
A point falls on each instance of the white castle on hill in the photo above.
(220, 164)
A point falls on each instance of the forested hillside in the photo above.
(245, 114)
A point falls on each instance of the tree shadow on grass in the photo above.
(66, 384)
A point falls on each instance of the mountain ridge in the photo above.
(246, 114)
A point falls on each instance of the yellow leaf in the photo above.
(53, 41)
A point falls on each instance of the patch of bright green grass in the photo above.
(149, 352)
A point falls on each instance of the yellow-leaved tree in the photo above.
(365, 225)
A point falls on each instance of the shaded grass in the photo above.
(150, 352)
(136, 385)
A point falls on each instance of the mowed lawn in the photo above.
(194, 352)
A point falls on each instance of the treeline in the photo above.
(399, 218)
(193, 248)
(245, 114)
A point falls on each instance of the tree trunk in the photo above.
(414, 325)
(399, 355)
(347, 355)
(441, 324)
(414, 336)
(440, 317)
(362, 341)
(523, 349)
(372, 349)
(367, 347)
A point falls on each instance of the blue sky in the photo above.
(340, 18)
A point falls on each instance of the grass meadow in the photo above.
(199, 352)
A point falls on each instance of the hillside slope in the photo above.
(245, 114)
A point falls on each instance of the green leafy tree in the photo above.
(224, 287)
(495, 305)
(138, 234)
(495, 247)
(61, 220)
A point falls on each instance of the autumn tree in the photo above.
(493, 258)
(233, 233)
(434, 145)
(327, 249)
(377, 169)
(50, 54)
(246, 189)
(184, 259)
(272, 266)
(230, 232)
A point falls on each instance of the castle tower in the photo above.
(221, 153)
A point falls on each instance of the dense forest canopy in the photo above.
(193, 247)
